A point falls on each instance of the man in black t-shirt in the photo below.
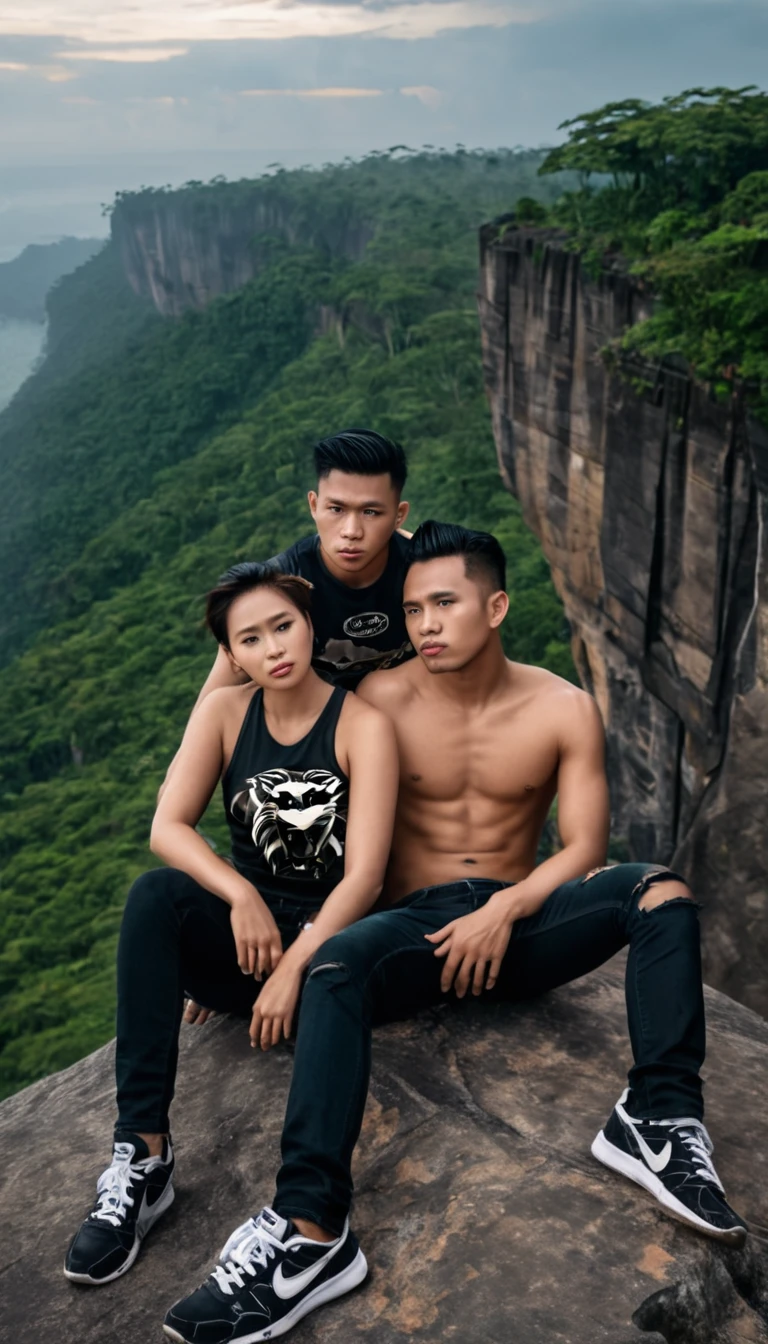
(357, 629)
(356, 561)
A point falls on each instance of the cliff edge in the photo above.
(482, 1213)
(183, 249)
(651, 506)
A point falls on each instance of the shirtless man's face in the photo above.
(450, 617)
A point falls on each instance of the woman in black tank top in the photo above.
(309, 782)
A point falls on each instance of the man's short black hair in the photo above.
(361, 452)
(483, 556)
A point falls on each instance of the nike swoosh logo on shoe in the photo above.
(656, 1161)
(288, 1288)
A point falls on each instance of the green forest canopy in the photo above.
(168, 450)
(683, 197)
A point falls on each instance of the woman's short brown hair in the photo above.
(244, 578)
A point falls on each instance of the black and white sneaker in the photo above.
(672, 1159)
(133, 1192)
(268, 1277)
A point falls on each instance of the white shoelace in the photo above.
(248, 1247)
(693, 1134)
(113, 1199)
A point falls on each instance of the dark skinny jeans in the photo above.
(382, 968)
(176, 939)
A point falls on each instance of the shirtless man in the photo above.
(485, 745)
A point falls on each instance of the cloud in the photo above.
(124, 55)
(164, 100)
(487, 85)
(135, 21)
(311, 93)
(426, 94)
(13, 65)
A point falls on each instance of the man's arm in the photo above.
(583, 808)
(221, 674)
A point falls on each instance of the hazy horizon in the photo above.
(95, 99)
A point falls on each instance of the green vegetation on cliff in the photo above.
(170, 453)
(686, 204)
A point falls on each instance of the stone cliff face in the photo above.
(182, 252)
(481, 1211)
(652, 510)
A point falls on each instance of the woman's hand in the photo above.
(274, 1010)
(473, 945)
(257, 937)
(195, 1014)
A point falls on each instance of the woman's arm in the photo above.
(373, 781)
(174, 839)
(185, 798)
(222, 674)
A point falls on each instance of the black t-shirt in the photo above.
(357, 630)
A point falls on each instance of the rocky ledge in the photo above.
(481, 1211)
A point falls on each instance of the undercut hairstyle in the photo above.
(245, 578)
(483, 557)
(361, 452)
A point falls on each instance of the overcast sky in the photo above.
(162, 91)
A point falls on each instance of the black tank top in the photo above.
(287, 806)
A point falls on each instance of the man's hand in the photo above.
(257, 937)
(473, 945)
(274, 1009)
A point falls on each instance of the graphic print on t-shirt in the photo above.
(368, 624)
(343, 658)
(298, 819)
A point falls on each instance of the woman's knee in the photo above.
(152, 889)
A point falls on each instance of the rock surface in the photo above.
(181, 256)
(652, 510)
(481, 1211)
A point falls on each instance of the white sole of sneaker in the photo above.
(636, 1171)
(349, 1278)
(147, 1220)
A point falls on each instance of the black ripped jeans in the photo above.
(382, 968)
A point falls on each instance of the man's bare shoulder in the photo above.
(362, 715)
(571, 708)
(391, 687)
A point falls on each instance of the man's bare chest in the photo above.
(450, 756)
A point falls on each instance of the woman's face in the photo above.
(270, 639)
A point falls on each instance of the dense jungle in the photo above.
(149, 452)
